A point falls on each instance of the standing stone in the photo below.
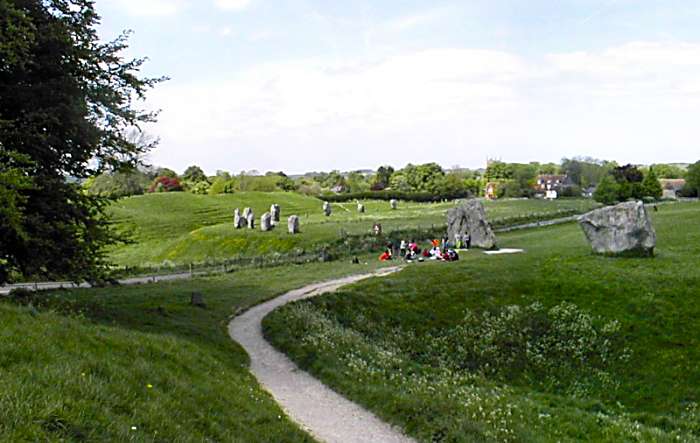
(275, 212)
(293, 224)
(246, 213)
(360, 208)
(238, 220)
(250, 219)
(327, 209)
(622, 229)
(266, 222)
(394, 204)
(470, 219)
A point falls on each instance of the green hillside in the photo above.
(138, 363)
(184, 228)
(555, 344)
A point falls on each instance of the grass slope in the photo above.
(139, 364)
(185, 228)
(390, 344)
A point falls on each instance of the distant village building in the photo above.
(550, 182)
(672, 187)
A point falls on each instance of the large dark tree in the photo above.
(67, 102)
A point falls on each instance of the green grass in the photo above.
(88, 365)
(183, 228)
(390, 343)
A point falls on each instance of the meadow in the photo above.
(181, 228)
(139, 363)
(555, 344)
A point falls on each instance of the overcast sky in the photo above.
(301, 85)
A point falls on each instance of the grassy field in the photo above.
(140, 364)
(556, 344)
(184, 228)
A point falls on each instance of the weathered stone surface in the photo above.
(327, 209)
(251, 220)
(293, 224)
(275, 211)
(238, 220)
(246, 212)
(360, 208)
(394, 204)
(469, 219)
(623, 229)
(266, 222)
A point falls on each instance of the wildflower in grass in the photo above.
(149, 386)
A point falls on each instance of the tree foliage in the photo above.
(693, 178)
(651, 186)
(66, 102)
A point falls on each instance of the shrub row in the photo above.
(420, 197)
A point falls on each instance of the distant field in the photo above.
(185, 228)
(555, 344)
(140, 364)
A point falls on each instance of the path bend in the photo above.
(320, 411)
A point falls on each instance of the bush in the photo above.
(165, 184)
(562, 348)
(419, 197)
(118, 184)
(571, 191)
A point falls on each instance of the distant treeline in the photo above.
(421, 197)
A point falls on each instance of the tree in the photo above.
(68, 101)
(194, 174)
(693, 178)
(382, 178)
(668, 171)
(119, 184)
(651, 186)
(607, 191)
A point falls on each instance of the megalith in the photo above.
(360, 208)
(624, 229)
(250, 219)
(275, 212)
(327, 210)
(238, 220)
(394, 203)
(469, 219)
(293, 224)
(266, 222)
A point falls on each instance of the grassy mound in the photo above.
(184, 228)
(556, 344)
(140, 364)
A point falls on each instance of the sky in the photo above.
(307, 85)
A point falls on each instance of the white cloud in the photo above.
(630, 103)
(233, 5)
(149, 7)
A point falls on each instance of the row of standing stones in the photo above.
(267, 221)
(621, 230)
(328, 209)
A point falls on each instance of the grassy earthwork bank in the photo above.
(182, 228)
(139, 363)
(555, 344)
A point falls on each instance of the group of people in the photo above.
(438, 250)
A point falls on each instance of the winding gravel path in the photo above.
(319, 410)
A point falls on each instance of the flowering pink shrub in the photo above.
(165, 184)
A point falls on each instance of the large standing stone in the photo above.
(246, 213)
(266, 222)
(293, 224)
(275, 212)
(469, 219)
(360, 208)
(622, 229)
(238, 220)
(327, 209)
(394, 203)
(250, 219)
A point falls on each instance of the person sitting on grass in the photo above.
(386, 256)
(403, 248)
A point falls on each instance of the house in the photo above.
(549, 182)
(672, 187)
